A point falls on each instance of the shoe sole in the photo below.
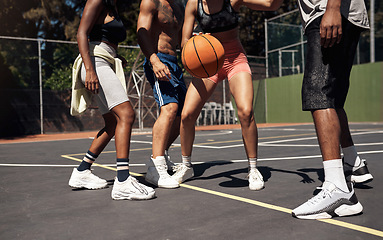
(341, 211)
(184, 178)
(161, 185)
(366, 178)
(116, 196)
(257, 188)
(91, 187)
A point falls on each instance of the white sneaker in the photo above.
(328, 203)
(158, 175)
(255, 180)
(86, 179)
(131, 189)
(357, 174)
(182, 173)
(170, 165)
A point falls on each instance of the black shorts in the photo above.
(327, 70)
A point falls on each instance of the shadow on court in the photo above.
(37, 203)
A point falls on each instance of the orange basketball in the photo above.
(203, 55)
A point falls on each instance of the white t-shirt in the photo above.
(354, 10)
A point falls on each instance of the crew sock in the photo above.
(333, 172)
(350, 156)
(122, 169)
(252, 163)
(186, 160)
(85, 165)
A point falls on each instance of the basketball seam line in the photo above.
(216, 56)
(185, 65)
(200, 58)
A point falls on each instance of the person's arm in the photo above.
(188, 27)
(148, 46)
(331, 24)
(262, 5)
(91, 12)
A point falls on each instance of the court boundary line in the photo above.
(339, 223)
(143, 164)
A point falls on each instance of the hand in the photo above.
(123, 60)
(200, 33)
(161, 71)
(91, 81)
(331, 28)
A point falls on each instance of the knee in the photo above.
(188, 117)
(110, 126)
(127, 117)
(169, 111)
(245, 115)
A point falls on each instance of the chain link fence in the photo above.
(35, 89)
(285, 45)
(35, 83)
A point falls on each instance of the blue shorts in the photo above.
(173, 91)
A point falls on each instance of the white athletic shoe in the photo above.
(357, 174)
(131, 189)
(328, 203)
(86, 179)
(158, 175)
(182, 173)
(170, 165)
(255, 180)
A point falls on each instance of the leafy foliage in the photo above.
(58, 19)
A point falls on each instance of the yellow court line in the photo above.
(351, 226)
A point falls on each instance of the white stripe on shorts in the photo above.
(157, 86)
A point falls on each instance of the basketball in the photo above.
(203, 55)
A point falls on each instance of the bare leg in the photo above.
(125, 116)
(162, 129)
(241, 86)
(198, 93)
(328, 131)
(175, 132)
(104, 135)
(345, 137)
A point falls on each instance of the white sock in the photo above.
(186, 160)
(333, 172)
(351, 156)
(252, 163)
(159, 160)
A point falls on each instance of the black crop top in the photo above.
(224, 20)
(113, 32)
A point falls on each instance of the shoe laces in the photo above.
(180, 169)
(323, 194)
(162, 170)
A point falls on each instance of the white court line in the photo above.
(209, 134)
(287, 140)
(286, 129)
(312, 145)
(214, 134)
(57, 165)
(218, 161)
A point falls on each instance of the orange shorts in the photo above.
(235, 62)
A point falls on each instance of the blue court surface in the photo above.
(37, 203)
